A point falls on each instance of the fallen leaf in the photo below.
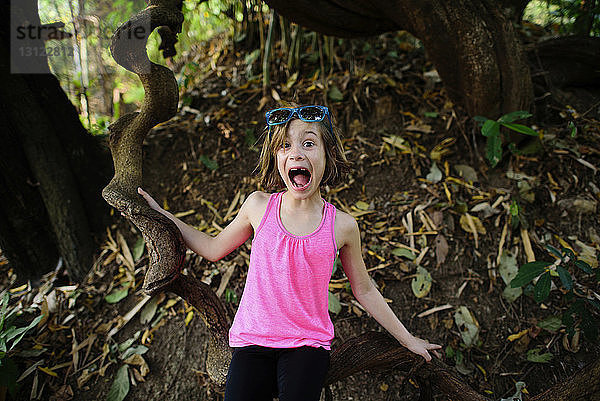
(467, 325)
(468, 173)
(552, 323)
(534, 355)
(421, 283)
(116, 295)
(508, 270)
(518, 335)
(435, 174)
(334, 304)
(464, 223)
(120, 386)
(403, 252)
(138, 360)
(441, 249)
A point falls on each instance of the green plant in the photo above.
(582, 310)
(10, 336)
(571, 17)
(491, 130)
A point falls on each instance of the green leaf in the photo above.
(129, 342)
(449, 352)
(493, 150)
(467, 325)
(4, 306)
(250, 138)
(337, 263)
(138, 349)
(568, 252)
(334, 304)
(138, 248)
(594, 303)
(573, 129)
(528, 272)
(116, 295)
(533, 355)
(149, 310)
(335, 94)
(120, 386)
(421, 284)
(554, 251)
(523, 129)
(490, 128)
(508, 270)
(209, 163)
(514, 116)
(431, 114)
(403, 252)
(584, 266)
(552, 324)
(542, 287)
(565, 277)
(24, 331)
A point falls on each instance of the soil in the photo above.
(222, 125)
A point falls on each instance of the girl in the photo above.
(282, 332)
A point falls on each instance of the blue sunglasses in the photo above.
(309, 114)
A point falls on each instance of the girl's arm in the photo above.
(209, 247)
(368, 295)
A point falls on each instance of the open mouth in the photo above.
(299, 177)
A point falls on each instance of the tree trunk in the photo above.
(66, 165)
(26, 237)
(472, 44)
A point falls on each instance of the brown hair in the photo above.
(336, 164)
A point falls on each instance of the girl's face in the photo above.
(301, 159)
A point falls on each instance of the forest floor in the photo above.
(423, 195)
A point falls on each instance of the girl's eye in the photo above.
(285, 145)
(309, 143)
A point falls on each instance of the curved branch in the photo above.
(128, 47)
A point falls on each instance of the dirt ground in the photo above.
(221, 124)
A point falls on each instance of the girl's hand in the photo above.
(421, 347)
(151, 202)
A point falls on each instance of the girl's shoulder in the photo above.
(257, 199)
(346, 227)
(255, 206)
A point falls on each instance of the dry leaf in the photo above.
(441, 249)
(464, 223)
(138, 360)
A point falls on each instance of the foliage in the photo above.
(582, 310)
(491, 130)
(10, 336)
(569, 17)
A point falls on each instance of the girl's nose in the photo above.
(296, 153)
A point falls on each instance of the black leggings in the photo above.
(259, 373)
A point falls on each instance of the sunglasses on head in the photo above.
(309, 114)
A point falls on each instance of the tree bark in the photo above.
(472, 44)
(66, 165)
(26, 237)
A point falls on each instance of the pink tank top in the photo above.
(285, 298)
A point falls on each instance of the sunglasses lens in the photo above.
(279, 116)
(311, 113)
